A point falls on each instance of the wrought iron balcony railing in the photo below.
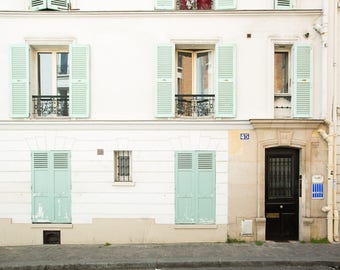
(195, 105)
(50, 105)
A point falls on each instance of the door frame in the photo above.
(283, 207)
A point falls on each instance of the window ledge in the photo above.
(54, 226)
(196, 226)
(127, 184)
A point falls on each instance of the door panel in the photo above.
(282, 196)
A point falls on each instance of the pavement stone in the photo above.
(158, 256)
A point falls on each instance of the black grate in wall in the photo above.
(51, 237)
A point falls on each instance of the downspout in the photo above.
(329, 138)
(334, 116)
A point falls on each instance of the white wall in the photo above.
(123, 53)
(93, 192)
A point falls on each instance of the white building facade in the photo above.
(143, 121)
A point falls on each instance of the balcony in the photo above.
(195, 105)
(50, 106)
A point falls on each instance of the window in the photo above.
(282, 81)
(293, 81)
(53, 84)
(195, 96)
(49, 4)
(49, 81)
(283, 4)
(195, 187)
(51, 187)
(203, 85)
(195, 4)
(122, 166)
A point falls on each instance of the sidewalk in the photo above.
(157, 256)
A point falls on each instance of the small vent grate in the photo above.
(205, 161)
(60, 161)
(51, 237)
(40, 160)
(185, 161)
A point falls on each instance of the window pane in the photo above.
(204, 73)
(45, 73)
(184, 73)
(194, 4)
(281, 72)
(62, 74)
(203, 4)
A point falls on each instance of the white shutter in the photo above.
(165, 4)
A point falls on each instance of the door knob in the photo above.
(281, 206)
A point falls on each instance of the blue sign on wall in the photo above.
(317, 191)
(244, 136)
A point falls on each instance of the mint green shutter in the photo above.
(283, 4)
(42, 188)
(80, 81)
(165, 81)
(62, 187)
(19, 79)
(206, 187)
(195, 187)
(225, 4)
(57, 4)
(51, 187)
(38, 4)
(165, 4)
(302, 80)
(185, 188)
(225, 104)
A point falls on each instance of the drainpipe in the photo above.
(334, 116)
(331, 208)
(329, 138)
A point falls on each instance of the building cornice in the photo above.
(170, 124)
(286, 123)
(160, 13)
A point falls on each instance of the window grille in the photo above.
(123, 166)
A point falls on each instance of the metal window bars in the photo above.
(123, 166)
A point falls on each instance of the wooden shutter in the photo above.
(302, 80)
(38, 4)
(57, 4)
(51, 187)
(283, 4)
(185, 188)
(62, 187)
(42, 188)
(165, 81)
(165, 4)
(195, 187)
(206, 187)
(225, 104)
(80, 81)
(225, 4)
(19, 76)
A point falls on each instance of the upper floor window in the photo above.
(293, 81)
(283, 4)
(49, 4)
(195, 80)
(50, 81)
(195, 95)
(52, 97)
(195, 4)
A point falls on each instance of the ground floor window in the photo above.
(51, 187)
(195, 187)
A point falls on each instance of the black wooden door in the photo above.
(282, 194)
